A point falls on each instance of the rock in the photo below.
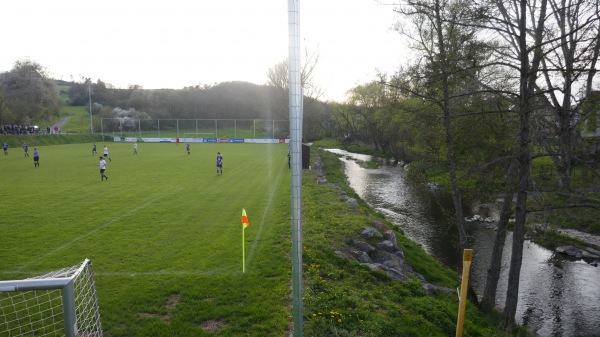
(392, 264)
(432, 289)
(397, 275)
(479, 218)
(365, 247)
(386, 245)
(352, 201)
(347, 255)
(569, 250)
(587, 255)
(399, 254)
(593, 251)
(364, 258)
(382, 257)
(370, 232)
(391, 236)
(375, 266)
(380, 226)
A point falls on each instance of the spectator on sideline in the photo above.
(177, 141)
(135, 148)
(106, 153)
(102, 165)
(36, 158)
(219, 163)
(187, 146)
(26, 150)
(94, 149)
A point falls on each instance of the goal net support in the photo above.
(59, 303)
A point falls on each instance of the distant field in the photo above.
(163, 226)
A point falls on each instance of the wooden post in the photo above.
(467, 258)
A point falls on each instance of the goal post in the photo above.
(59, 303)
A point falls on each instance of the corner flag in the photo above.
(245, 221)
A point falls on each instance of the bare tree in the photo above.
(568, 67)
(315, 113)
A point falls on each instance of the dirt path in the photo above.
(59, 124)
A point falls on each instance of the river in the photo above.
(558, 297)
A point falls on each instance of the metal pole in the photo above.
(68, 297)
(90, 97)
(295, 105)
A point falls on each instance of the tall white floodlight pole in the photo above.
(90, 97)
(295, 98)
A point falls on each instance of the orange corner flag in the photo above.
(245, 221)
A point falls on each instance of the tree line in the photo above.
(29, 95)
(492, 87)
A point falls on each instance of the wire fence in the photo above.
(195, 128)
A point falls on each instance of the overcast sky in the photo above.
(178, 43)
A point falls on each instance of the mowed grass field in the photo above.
(164, 233)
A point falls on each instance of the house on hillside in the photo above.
(590, 132)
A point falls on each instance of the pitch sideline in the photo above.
(262, 220)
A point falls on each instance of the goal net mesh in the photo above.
(41, 312)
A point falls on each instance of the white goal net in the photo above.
(59, 303)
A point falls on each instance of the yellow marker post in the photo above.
(467, 259)
(243, 250)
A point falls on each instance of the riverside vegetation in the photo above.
(345, 298)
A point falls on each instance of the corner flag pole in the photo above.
(245, 223)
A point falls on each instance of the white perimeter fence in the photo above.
(128, 127)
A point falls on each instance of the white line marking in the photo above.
(262, 220)
(96, 229)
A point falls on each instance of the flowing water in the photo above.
(558, 297)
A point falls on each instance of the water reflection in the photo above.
(557, 297)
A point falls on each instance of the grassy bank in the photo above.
(15, 142)
(345, 298)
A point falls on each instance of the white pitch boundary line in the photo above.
(262, 220)
(96, 229)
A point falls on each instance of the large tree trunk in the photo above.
(528, 77)
(488, 300)
(448, 115)
(512, 293)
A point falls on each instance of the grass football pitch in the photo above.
(163, 233)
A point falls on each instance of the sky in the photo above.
(177, 43)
